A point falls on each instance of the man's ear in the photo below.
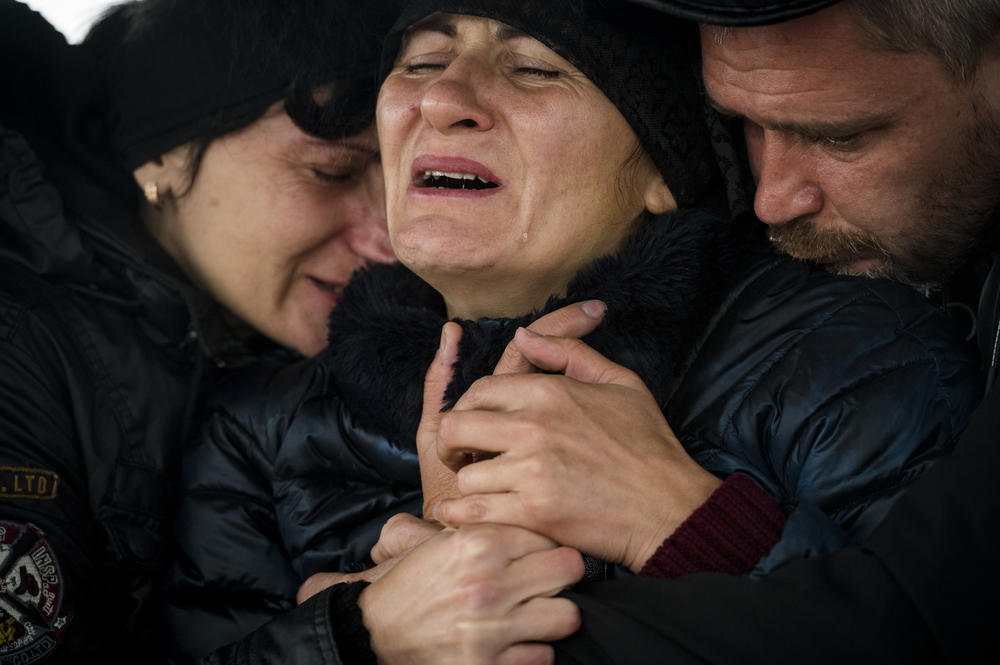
(166, 176)
(658, 198)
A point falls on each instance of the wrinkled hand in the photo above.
(481, 594)
(400, 534)
(584, 457)
(438, 481)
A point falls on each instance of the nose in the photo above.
(368, 236)
(456, 100)
(782, 167)
(371, 243)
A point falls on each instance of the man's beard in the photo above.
(836, 249)
(956, 213)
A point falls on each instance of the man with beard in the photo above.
(872, 134)
(872, 152)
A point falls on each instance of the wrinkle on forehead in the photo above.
(783, 73)
(784, 51)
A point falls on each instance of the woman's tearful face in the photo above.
(275, 222)
(507, 169)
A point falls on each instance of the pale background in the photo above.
(71, 17)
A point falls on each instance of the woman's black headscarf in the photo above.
(645, 63)
(180, 70)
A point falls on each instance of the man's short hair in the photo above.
(957, 31)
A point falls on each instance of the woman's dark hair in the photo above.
(181, 71)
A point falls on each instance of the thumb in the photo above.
(401, 533)
(437, 480)
(576, 320)
(318, 582)
(573, 358)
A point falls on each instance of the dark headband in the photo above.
(184, 69)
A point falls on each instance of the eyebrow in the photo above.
(433, 23)
(506, 32)
(817, 129)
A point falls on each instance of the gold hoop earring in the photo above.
(152, 192)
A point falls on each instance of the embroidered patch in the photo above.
(31, 595)
(18, 483)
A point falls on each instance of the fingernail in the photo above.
(595, 309)
(435, 511)
(444, 339)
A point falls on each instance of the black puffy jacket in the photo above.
(104, 349)
(832, 393)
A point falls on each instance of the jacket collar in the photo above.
(660, 290)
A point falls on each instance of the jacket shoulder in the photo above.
(833, 390)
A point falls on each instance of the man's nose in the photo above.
(783, 169)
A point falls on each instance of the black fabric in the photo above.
(353, 640)
(785, 377)
(923, 589)
(180, 70)
(54, 98)
(663, 285)
(302, 636)
(101, 358)
(104, 348)
(32, 85)
(645, 64)
(737, 12)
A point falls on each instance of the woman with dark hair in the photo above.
(538, 154)
(188, 190)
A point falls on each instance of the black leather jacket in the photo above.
(831, 393)
(104, 350)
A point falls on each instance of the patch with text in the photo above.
(21, 483)
(31, 595)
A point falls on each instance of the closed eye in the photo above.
(537, 73)
(418, 67)
(333, 177)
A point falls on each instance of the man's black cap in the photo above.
(737, 12)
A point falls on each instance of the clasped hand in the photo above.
(582, 455)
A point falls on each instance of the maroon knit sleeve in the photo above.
(729, 533)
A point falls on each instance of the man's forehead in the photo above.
(835, 29)
(823, 91)
(811, 83)
(765, 62)
(825, 51)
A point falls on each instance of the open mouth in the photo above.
(452, 180)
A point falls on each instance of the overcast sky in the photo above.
(71, 17)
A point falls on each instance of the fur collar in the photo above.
(660, 290)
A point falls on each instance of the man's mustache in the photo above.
(799, 238)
